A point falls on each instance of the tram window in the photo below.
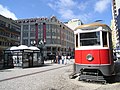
(104, 37)
(90, 39)
(110, 40)
(76, 40)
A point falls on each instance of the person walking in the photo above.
(69, 58)
(65, 60)
(62, 59)
(59, 59)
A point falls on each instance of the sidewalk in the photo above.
(20, 72)
(71, 61)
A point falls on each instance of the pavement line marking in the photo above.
(32, 73)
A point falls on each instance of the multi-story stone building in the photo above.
(116, 20)
(57, 37)
(9, 33)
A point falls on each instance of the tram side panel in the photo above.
(101, 60)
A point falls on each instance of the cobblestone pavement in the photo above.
(40, 78)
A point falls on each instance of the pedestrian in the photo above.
(69, 58)
(65, 60)
(56, 58)
(62, 59)
(59, 59)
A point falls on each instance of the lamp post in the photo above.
(33, 43)
(40, 44)
(41, 47)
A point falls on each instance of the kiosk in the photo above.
(22, 56)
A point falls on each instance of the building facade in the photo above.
(57, 37)
(114, 39)
(73, 23)
(9, 34)
(116, 21)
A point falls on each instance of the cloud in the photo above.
(64, 4)
(67, 14)
(80, 9)
(7, 13)
(68, 9)
(102, 5)
(83, 5)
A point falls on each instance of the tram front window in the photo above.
(90, 39)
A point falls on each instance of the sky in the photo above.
(87, 11)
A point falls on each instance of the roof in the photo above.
(90, 25)
(13, 48)
(22, 47)
(33, 48)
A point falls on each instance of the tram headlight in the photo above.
(89, 57)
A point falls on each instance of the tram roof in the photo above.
(91, 25)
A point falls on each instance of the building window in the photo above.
(25, 34)
(32, 34)
(48, 41)
(2, 23)
(25, 42)
(25, 27)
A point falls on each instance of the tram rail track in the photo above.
(29, 74)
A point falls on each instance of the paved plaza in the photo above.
(51, 76)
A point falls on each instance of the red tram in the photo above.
(93, 52)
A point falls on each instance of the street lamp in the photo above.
(33, 43)
(41, 47)
(41, 44)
